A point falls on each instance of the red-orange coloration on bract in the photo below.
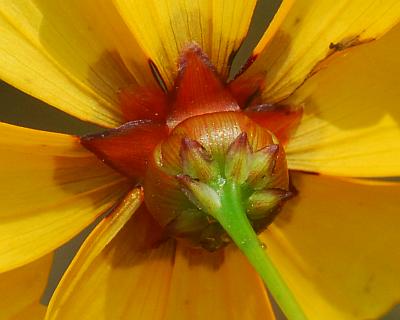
(151, 113)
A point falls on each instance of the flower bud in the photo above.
(188, 171)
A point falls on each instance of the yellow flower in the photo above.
(335, 243)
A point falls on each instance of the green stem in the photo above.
(234, 220)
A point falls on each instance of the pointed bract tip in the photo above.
(188, 144)
(240, 144)
(200, 194)
(241, 139)
(237, 159)
(196, 161)
(193, 51)
(272, 149)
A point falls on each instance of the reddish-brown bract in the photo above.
(144, 103)
(245, 92)
(198, 91)
(128, 147)
(282, 120)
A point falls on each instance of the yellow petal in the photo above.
(116, 274)
(51, 188)
(304, 32)
(35, 311)
(122, 272)
(163, 28)
(220, 285)
(21, 290)
(336, 245)
(350, 126)
(71, 54)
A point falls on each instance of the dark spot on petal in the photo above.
(297, 21)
